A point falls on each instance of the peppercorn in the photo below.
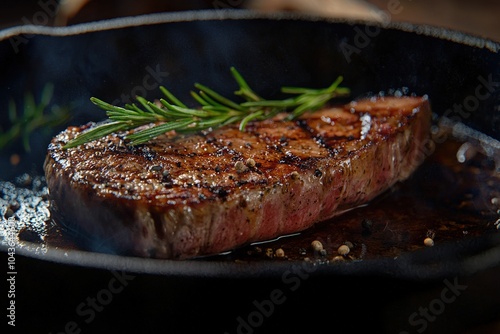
(428, 242)
(279, 252)
(317, 245)
(250, 163)
(343, 250)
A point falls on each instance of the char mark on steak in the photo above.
(182, 196)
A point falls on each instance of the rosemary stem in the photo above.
(215, 110)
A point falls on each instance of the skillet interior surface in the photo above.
(111, 59)
(124, 57)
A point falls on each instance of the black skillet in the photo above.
(111, 58)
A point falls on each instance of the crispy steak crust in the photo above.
(182, 196)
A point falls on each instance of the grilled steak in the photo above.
(182, 196)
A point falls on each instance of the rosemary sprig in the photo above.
(31, 117)
(215, 111)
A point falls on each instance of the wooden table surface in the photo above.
(479, 17)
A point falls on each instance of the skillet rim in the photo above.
(404, 267)
(242, 14)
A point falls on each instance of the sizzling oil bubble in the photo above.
(366, 124)
(24, 209)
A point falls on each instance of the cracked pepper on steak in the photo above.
(182, 196)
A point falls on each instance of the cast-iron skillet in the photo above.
(111, 58)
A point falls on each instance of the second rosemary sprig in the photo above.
(215, 111)
(33, 116)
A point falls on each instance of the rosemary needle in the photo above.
(215, 110)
